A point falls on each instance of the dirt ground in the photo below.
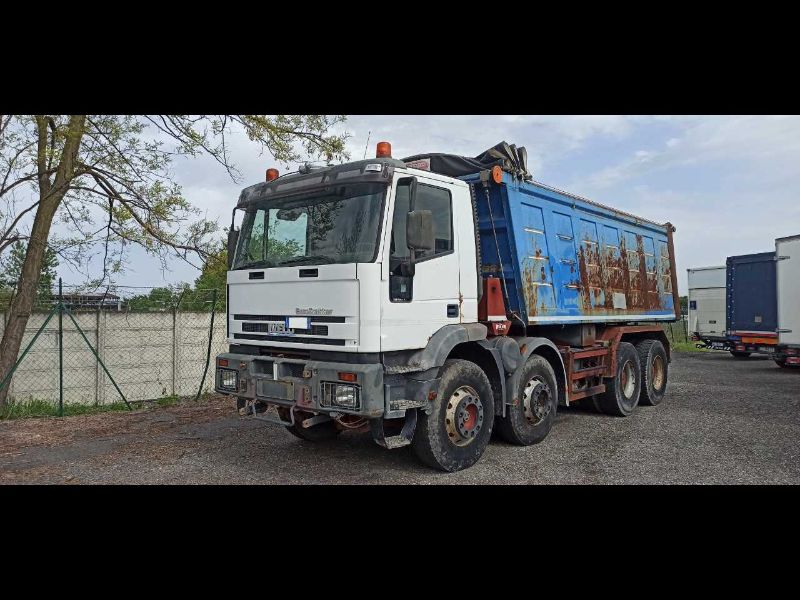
(724, 421)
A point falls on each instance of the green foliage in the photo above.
(120, 188)
(43, 408)
(11, 267)
(215, 271)
(684, 305)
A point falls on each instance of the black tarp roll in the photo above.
(507, 156)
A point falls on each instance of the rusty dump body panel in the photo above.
(567, 260)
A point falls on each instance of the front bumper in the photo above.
(308, 384)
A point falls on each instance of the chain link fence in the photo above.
(153, 341)
(678, 331)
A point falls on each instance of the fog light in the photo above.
(338, 394)
(227, 379)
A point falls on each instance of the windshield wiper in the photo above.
(306, 260)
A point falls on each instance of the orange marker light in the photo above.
(222, 362)
(384, 150)
(272, 174)
(351, 377)
(497, 174)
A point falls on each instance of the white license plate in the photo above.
(297, 323)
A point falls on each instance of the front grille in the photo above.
(327, 319)
(282, 318)
(289, 338)
(279, 318)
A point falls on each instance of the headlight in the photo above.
(227, 379)
(342, 395)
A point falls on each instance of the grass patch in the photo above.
(687, 347)
(34, 408)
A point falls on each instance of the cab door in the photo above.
(415, 306)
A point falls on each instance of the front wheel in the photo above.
(622, 390)
(456, 432)
(530, 418)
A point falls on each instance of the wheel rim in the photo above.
(536, 401)
(659, 373)
(628, 379)
(464, 416)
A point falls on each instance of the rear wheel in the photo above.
(655, 368)
(622, 390)
(456, 432)
(531, 418)
(740, 354)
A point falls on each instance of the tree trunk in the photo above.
(50, 196)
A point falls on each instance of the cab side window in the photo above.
(435, 199)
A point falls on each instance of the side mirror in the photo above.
(233, 238)
(419, 230)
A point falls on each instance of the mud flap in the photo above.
(395, 441)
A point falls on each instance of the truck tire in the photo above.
(622, 390)
(781, 362)
(740, 354)
(529, 420)
(655, 370)
(456, 432)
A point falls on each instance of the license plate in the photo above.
(276, 327)
(297, 323)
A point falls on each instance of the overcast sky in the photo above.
(728, 183)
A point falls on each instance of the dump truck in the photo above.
(433, 300)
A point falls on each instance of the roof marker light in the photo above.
(272, 174)
(384, 150)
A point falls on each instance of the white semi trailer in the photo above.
(707, 306)
(787, 255)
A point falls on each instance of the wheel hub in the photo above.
(464, 416)
(628, 379)
(659, 373)
(536, 401)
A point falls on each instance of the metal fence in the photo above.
(153, 342)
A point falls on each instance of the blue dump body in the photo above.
(568, 260)
(752, 303)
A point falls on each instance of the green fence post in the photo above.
(60, 349)
(8, 376)
(210, 338)
(97, 356)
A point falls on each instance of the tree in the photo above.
(684, 305)
(106, 179)
(11, 266)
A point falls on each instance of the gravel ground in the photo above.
(723, 421)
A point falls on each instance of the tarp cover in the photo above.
(510, 158)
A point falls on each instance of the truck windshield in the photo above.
(335, 225)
